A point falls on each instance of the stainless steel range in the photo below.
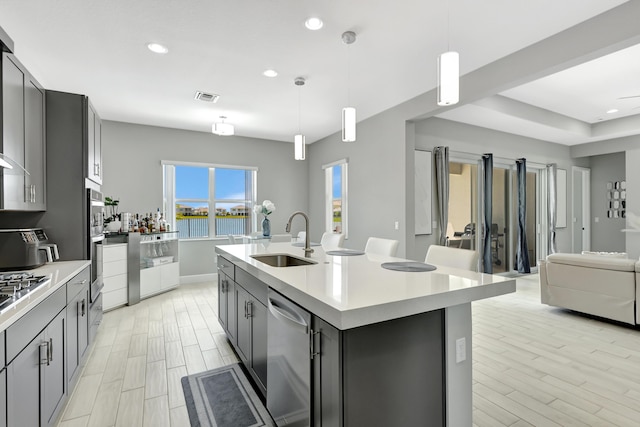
(14, 286)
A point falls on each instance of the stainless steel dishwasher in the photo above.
(288, 362)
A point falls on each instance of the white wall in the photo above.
(132, 173)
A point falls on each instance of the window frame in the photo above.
(169, 194)
(328, 173)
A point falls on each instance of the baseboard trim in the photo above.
(198, 278)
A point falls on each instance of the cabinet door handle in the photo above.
(245, 309)
(83, 307)
(249, 309)
(50, 351)
(223, 286)
(44, 349)
(26, 193)
(315, 351)
(33, 193)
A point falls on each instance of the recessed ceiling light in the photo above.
(157, 48)
(613, 110)
(270, 73)
(313, 23)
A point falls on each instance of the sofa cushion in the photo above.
(594, 261)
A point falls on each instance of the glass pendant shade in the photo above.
(298, 147)
(448, 78)
(348, 124)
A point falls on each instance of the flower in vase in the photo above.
(266, 208)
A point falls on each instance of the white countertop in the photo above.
(60, 272)
(352, 291)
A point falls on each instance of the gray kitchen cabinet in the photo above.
(23, 138)
(74, 132)
(36, 383)
(77, 333)
(94, 145)
(35, 145)
(327, 374)
(251, 325)
(35, 353)
(3, 398)
(13, 185)
(227, 298)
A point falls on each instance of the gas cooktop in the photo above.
(14, 286)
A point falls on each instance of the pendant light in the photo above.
(223, 129)
(299, 147)
(348, 113)
(448, 74)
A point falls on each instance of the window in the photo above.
(206, 201)
(336, 197)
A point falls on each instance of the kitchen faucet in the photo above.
(307, 246)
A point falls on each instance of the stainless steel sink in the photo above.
(282, 260)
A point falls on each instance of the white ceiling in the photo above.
(98, 48)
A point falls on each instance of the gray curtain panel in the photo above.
(487, 213)
(522, 251)
(552, 206)
(441, 155)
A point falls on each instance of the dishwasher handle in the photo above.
(288, 316)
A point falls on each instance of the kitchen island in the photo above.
(387, 347)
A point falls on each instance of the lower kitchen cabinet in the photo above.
(3, 398)
(36, 384)
(252, 335)
(77, 333)
(227, 305)
(154, 280)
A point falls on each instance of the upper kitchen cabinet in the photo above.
(94, 144)
(73, 126)
(23, 141)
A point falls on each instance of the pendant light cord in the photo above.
(299, 108)
(448, 26)
(348, 78)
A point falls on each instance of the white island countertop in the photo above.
(60, 272)
(353, 291)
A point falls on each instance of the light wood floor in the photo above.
(533, 365)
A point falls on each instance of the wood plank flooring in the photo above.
(533, 365)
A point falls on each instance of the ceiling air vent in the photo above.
(206, 97)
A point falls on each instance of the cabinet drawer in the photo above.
(114, 253)
(113, 268)
(169, 275)
(254, 286)
(78, 283)
(116, 282)
(149, 281)
(113, 299)
(31, 324)
(226, 267)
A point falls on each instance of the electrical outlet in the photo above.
(461, 350)
(397, 225)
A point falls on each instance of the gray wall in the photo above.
(133, 173)
(605, 232)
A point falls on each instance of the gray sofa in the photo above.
(603, 286)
